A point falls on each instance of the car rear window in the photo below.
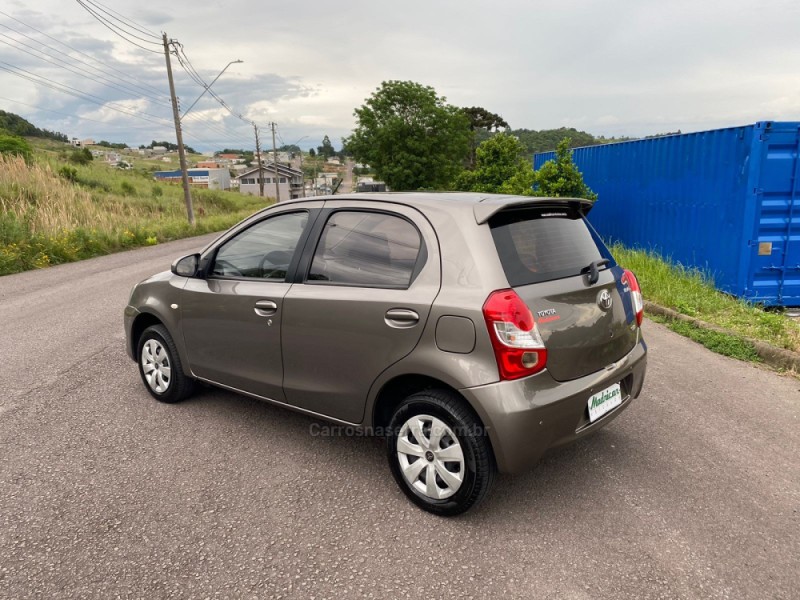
(544, 243)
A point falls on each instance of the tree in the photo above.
(410, 136)
(326, 150)
(561, 178)
(480, 118)
(481, 123)
(500, 167)
(312, 153)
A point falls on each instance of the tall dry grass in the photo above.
(45, 202)
(51, 212)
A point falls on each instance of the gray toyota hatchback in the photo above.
(473, 331)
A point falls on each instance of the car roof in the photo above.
(482, 206)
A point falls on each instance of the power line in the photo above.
(122, 18)
(76, 70)
(119, 30)
(119, 71)
(72, 116)
(184, 61)
(63, 88)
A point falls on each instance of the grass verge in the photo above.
(721, 343)
(691, 292)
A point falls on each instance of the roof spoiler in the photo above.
(490, 206)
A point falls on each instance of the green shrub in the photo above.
(13, 145)
(81, 157)
(127, 188)
(69, 173)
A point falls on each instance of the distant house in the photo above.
(209, 164)
(334, 160)
(159, 150)
(213, 179)
(290, 181)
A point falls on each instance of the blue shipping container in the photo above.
(726, 201)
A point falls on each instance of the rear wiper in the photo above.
(594, 269)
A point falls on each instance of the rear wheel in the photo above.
(439, 453)
(160, 366)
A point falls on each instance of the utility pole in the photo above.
(275, 163)
(303, 191)
(187, 194)
(260, 164)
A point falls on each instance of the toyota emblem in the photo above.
(604, 300)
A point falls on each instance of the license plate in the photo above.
(605, 401)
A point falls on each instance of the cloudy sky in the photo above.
(611, 67)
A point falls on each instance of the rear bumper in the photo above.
(525, 418)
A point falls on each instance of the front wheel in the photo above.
(160, 366)
(439, 453)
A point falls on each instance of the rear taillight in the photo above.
(518, 347)
(629, 281)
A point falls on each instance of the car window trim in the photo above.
(315, 236)
(313, 214)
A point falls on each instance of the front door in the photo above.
(231, 320)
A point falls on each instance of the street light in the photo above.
(187, 193)
(208, 87)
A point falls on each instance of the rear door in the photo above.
(547, 253)
(367, 285)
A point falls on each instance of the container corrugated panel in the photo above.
(726, 201)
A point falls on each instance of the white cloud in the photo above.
(617, 67)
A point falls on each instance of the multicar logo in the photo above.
(604, 300)
(608, 395)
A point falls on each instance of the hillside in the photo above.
(16, 125)
(55, 210)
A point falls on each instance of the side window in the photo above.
(262, 251)
(366, 249)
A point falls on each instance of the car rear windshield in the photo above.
(545, 243)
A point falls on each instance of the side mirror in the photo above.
(186, 266)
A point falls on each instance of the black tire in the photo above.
(176, 385)
(478, 471)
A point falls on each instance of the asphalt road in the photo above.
(694, 492)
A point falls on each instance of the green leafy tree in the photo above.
(500, 167)
(326, 150)
(561, 178)
(11, 144)
(481, 124)
(312, 153)
(410, 136)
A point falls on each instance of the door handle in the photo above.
(265, 308)
(401, 318)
